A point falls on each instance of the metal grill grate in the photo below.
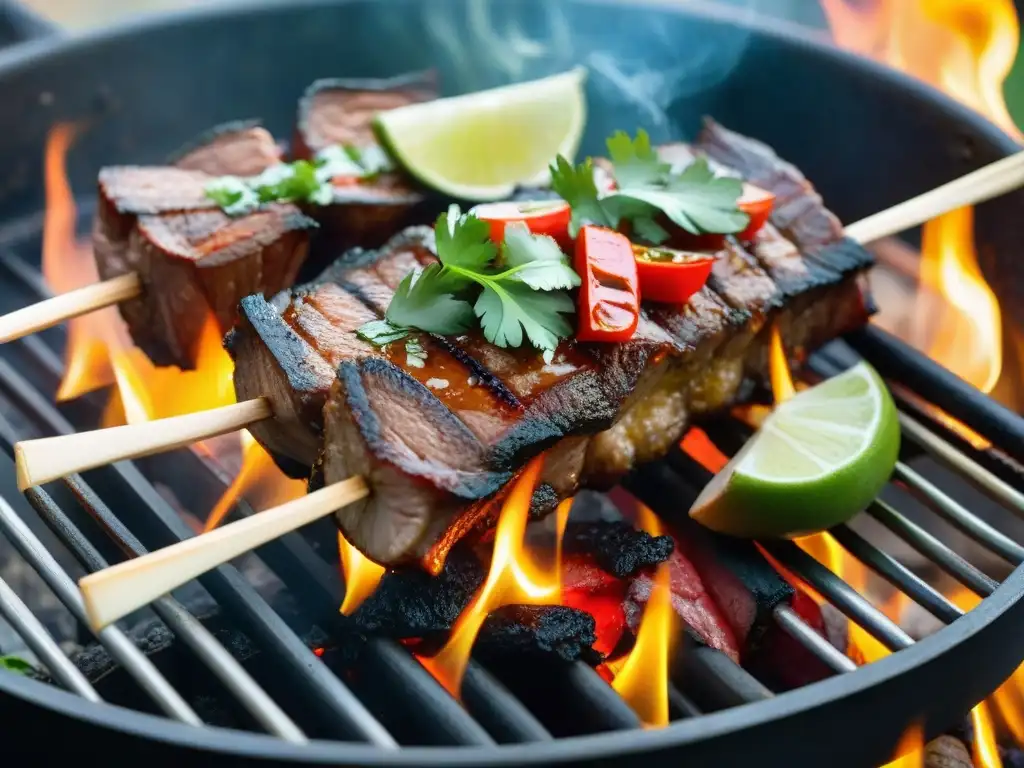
(306, 699)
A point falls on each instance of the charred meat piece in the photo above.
(339, 112)
(436, 439)
(192, 258)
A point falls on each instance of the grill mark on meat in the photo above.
(191, 257)
(341, 111)
(684, 361)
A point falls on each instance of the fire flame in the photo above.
(362, 575)
(642, 680)
(965, 48)
(503, 586)
(909, 749)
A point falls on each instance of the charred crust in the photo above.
(210, 135)
(617, 547)
(294, 220)
(846, 256)
(289, 349)
(470, 485)
(578, 406)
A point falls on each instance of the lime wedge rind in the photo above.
(798, 476)
(480, 146)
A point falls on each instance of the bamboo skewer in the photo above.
(993, 180)
(65, 306)
(116, 591)
(49, 458)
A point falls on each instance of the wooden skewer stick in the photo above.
(40, 461)
(114, 592)
(993, 180)
(48, 458)
(53, 311)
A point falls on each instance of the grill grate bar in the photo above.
(897, 574)
(226, 584)
(955, 513)
(799, 630)
(932, 548)
(996, 488)
(680, 705)
(31, 630)
(839, 593)
(184, 625)
(900, 362)
(117, 643)
(715, 682)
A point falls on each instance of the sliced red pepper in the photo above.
(671, 276)
(544, 217)
(757, 203)
(609, 299)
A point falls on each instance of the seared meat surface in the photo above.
(339, 112)
(192, 258)
(438, 438)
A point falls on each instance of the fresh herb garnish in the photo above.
(300, 181)
(17, 665)
(695, 199)
(415, 354)
(519, 290)
(381, 332)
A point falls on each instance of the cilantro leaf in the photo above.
(16, 664)
(536, 260)
(381, 332)
(425, 300)
(636, 162)
(576, 186)
(463, 241)
(415, 354)
(507, 310)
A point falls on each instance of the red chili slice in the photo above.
(670, 276)
(609, 300)
(546, 217)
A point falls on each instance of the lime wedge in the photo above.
(817, 461)
(480, 146)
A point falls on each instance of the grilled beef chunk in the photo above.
(340, 112)
(192, 258)
(240, 148)
(436, 441)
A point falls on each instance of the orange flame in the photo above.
(642, 680)
(503, 585)
(966, 334)
(778, 367)
(986, 751)
(966, 49)
(362, 575)
(909, 749)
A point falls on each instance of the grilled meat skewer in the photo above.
(438, 441)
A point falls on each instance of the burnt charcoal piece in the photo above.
(618, 547)
(538, 631)
(410, 603)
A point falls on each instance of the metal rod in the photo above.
(117, 643)
(347, 714)
(840, 594)
(995, 487)
(955, 513)
(38, 640)
(714, 681)
(800, 631)
(897, 360)
(897, 574)
(929, 546)
(197, 637)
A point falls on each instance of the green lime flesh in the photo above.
(780, 495)
(480, 146)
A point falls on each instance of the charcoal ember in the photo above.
(617, 547)
(538, 631)
(410, 603)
